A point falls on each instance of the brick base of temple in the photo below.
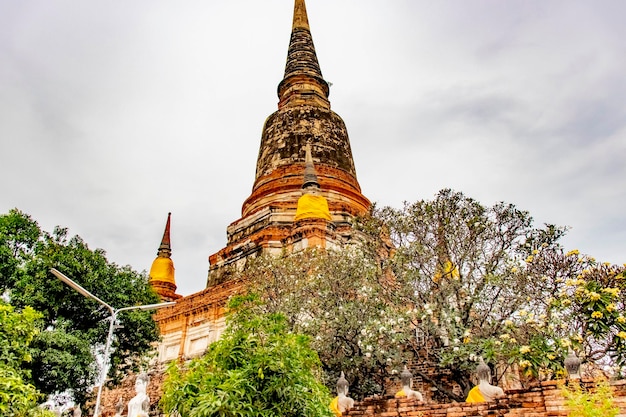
(542, 400)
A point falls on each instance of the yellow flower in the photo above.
(524, 364)
(535, 252)
(621, 319)
(530, 258)
(551, 356)
(611, 307)
(597, 315)
(514, 269)
(508, 323)
(572, 252)
(621, 335)
(594, 295)
(524, 349)
(565, 343)
(613, 291)
(567, 302)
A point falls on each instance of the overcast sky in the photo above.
(114, 113)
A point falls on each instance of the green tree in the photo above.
(341, 299)
(71, 320)
(483, 281)
(257, 368)
(18, 398)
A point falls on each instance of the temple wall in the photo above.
(542, 400)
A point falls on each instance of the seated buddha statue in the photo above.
(406, 377)
(341, 403)
(484, 391)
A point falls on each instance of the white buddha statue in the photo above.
(406, 377)
(484, 391)
(139, 405)
(341, 403)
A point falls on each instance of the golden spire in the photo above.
(162, 269)
(300, 18)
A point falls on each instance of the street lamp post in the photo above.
(113, 318)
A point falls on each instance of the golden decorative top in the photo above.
(300, 19)
(162, 269)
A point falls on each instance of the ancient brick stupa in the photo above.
(305, 194)
(303, 116)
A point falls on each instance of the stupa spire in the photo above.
(311, 204)
(162, 269)
(300, 18)
(165, 241)
(310, 176)
(303, 82)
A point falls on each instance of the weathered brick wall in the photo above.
(542, 400)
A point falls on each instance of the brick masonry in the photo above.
(542, 400)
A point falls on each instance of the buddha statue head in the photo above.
(483, 372)
(342, 385)
(406, 377)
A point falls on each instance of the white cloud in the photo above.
(112, 115)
